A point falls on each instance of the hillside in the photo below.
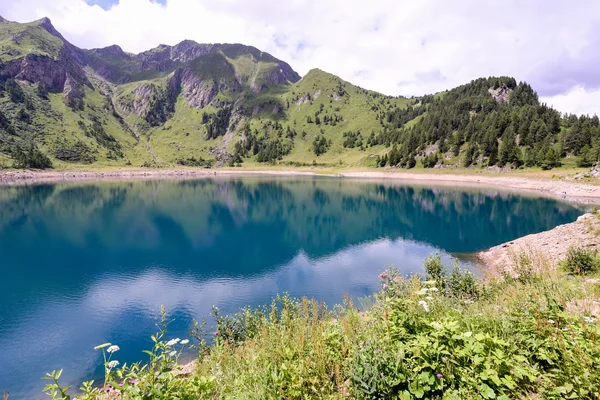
(227, 104)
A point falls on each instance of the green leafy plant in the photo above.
(581, 261)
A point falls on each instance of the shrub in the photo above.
(195, 162)
(78, 152)
(581, 261)
(31, 157)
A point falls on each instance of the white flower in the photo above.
(428, 298)
(550, 321)
(185, 341)
(112, 364)
(433, 289)
(424, 305)
(173, 342)
(113, 348)
(589, 320)
(172, 354)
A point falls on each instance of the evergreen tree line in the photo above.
(511, 129)
(265, 148)
(217, 123)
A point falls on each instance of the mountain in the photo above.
(214, 104)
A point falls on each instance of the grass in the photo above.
(443, 336)
(18, 40)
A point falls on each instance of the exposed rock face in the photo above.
(199, 72)
(73, 93)
(501, 94)
(195, 90)
(66, 74)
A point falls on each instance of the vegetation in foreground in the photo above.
(447, 336)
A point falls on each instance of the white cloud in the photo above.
(576, 101)
(396, 47)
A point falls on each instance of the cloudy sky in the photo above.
(392, 46)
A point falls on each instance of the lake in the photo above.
(85, 263)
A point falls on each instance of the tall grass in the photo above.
(445, 336)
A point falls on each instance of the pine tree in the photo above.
(509, 151)
(585, 157)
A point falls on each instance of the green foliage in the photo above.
(320, 145)
(216, 124)
(509, 151)
(430, 161)
(581, 261)
(31, 157)
(77, 152)
(14, 91)
(445, 336)
(96, 131)
(352, 140)
(195, 162)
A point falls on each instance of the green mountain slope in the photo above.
(217, 104)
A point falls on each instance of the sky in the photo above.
(396, 47)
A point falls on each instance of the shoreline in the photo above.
(560, 189)
(546, 248)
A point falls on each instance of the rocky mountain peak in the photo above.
(47, 25)
(110, 51)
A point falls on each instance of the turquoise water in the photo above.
(92, 262)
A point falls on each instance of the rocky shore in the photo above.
(544, 248)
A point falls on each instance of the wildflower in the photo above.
(433, 289)
(172, 354)
(550, 321)
(173, 342)
(439, 376)
(379, 350)
(113, 348)
(134, 381)
(444, 359)
(216, 333)
(112, 364)
(384, 275)
(398, 280)
(423, 304)
(381, 374)
(185, 341)
(385, 286)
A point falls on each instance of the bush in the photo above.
(581, 261)
(195, 162)
(78, 152)
(31, 157)
(459, 283)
